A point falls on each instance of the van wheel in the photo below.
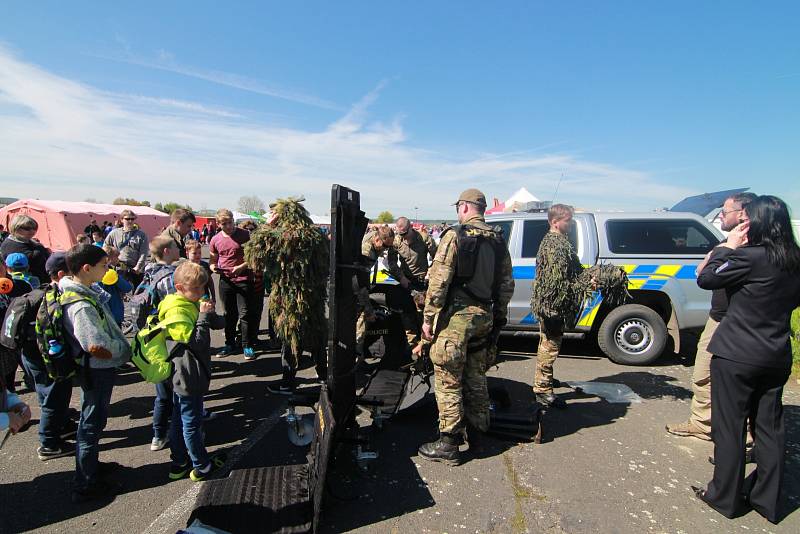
(632, 335)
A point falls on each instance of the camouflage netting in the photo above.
(294, 255)
(612, 282)
(562, 285)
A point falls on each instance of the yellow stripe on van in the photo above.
(588, 320)
(667, 270)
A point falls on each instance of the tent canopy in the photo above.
(60, 221)
(239, 216)
(516, 201)
(321, 220)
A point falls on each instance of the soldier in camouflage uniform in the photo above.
(413, 248)
(554, 290)
(459, 316)
(374, 245)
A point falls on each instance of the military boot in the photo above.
(444, 449)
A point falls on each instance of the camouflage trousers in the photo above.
(551, 334)
(459, 361)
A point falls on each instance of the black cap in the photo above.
(56, 262)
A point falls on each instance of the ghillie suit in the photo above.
(294, 255)
(559, 290)
(562, 284)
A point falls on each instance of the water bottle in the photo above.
(55, 350)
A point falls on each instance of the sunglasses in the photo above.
(129, 218)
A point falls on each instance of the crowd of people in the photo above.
(99, 285)
(455, 284)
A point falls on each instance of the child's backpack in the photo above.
(61, 364)
(145, 299)
(18, 330)
(149, 347)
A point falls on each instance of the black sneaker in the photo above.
(48, 453)
(227, 350)
(444, 450)
(98, 490)
(69, 429)
(281, 388)
(178, 471)
(215, 463)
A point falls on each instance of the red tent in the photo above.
(60, 221)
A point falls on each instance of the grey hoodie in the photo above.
(84, 328)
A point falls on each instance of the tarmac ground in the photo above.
(603, 466)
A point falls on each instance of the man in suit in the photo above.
(699, 423)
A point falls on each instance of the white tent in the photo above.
(515, 202)
(522, 196)
(324, 220)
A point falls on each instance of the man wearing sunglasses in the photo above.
(470, 286)
(132, 244)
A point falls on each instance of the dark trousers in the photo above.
(94, 414)
(162, 408)
(740, 391)
(239, 301)
(132, 276)
(53, 400)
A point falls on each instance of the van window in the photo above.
(506, 226)
(670, 236)
(534, 231)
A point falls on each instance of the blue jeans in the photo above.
(186, 431)
(53, 400)
(94, 414)
(162, 408)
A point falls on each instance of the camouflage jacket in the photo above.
(555, 290)
(368, 250)
(442, 271)
(414, 255)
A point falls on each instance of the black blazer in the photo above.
(755, 329)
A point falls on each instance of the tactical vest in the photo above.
(470, 243)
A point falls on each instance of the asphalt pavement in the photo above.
(603, 467)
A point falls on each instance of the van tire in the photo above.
(632, 335)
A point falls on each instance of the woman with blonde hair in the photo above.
(20, 239)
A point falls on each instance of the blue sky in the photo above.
(634, 104)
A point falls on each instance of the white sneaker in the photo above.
(158, 444)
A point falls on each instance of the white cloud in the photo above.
(166, 62)
(60, 139)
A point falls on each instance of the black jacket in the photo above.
(36, 252)
(761, 297)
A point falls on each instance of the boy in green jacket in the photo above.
(190, 340)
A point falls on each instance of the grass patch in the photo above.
(796, 343)
(521, 494)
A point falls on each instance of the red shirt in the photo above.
(230, 253)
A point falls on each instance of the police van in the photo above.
(658, 250)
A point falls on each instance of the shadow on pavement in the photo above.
(32, 511)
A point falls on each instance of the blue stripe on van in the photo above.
(686, 272)
(524, 272)
(644, 269)
(654, 284)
